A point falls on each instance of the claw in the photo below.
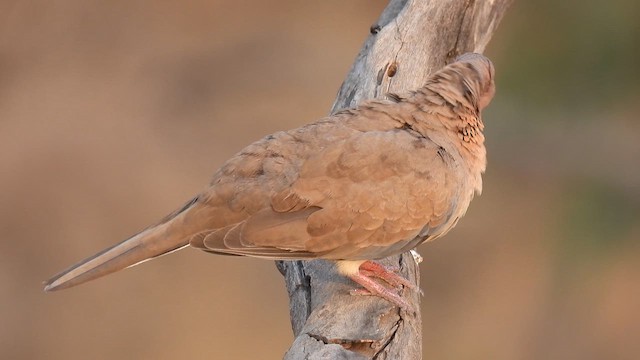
(365, 276)
(389, 275)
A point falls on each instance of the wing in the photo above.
(369, 196)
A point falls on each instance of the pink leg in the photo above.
(375, 269)
(372, 269)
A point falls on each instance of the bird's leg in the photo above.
(389, 275)
(369, 270)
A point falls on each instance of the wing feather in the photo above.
(365, 197)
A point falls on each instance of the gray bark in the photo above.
(410, 40)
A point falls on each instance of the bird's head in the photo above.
(478, 74)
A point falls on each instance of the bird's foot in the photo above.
(388, 274)
(365, 276)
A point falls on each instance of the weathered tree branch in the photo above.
(410, 40)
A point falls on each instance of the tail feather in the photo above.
(150, 243)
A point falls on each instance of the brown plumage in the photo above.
(360, 185)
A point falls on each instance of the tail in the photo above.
(167, 236)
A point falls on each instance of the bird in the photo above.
(357, 186)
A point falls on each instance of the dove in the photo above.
(360, 185)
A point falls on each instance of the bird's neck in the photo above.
(439, 114)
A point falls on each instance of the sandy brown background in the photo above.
(114, 113)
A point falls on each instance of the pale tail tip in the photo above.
(54, 284)
(49, 287)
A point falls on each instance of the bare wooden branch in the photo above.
(410, 40)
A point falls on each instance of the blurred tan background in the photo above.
(114, 113)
